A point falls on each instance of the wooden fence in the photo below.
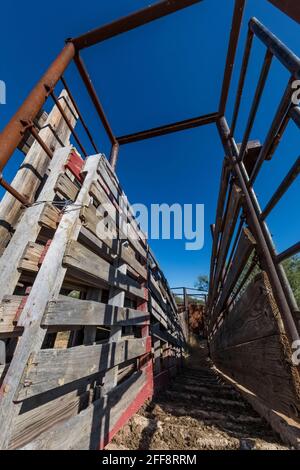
(89, 328)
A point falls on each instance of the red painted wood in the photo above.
(145, 393)
(22, 305)
(44, 252)
(74, 165)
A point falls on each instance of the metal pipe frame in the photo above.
(233, 42)
(169, 128)
(291, 251)
(67, 121)
(287, 57)
(127, 23)
(265, 249)
(257, 98)
(66, 87)
(5, 185)
(282, 188)
(12, 134)
(242, 78)
(289, 7)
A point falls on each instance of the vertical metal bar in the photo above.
(92, 92)
(234, 247)
(269, 145)
(37, 137)
(263, 241)
(233, 42)
(220, 209)
(242, 79)
(256, 101)
(79, 114)
(65, 117)
(114, 155)
(12, 135)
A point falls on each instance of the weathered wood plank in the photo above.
(50, 217)
(70, 312)
(33, 169)
(88, 429)
(90, 217)
(95, 269)
(264, 367)
(165, 335)
(8, 310)
(47, 286)
(116, 297)
(31, 257)
(104, 228)
(254, 316)
(29, 425)
(28, 228)
(52, 368)
(66, 187)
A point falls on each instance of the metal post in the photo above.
(12, 134)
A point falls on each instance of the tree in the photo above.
(202, 282)
(292, 269)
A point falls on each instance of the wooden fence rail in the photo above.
(89, 328)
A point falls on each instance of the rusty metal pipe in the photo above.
(37, 137)
(114, 156)
(66, 119)
(295, 115)
(233, 42)
(242, 79)
(12, 134)
(289, 7)
(291, 251)
(283, 187)
(263, 240)
(169, 128)
(270, 143)
(92, 92)
(13, 191)
(257, 98)
(127, 23)
(79, 114)
(278, 48)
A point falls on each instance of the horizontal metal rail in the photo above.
(127, 23)
(169, 128)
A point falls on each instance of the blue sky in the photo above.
(169, 70)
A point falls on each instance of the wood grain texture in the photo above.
(254, 316)
(34, 167)
(50, 217)
(47, 286)
(95, 270)
(52, 368)
(251, 347)
(244, 249)
(29, 425)
(89, 428)
(66, 187)
(70, 312)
